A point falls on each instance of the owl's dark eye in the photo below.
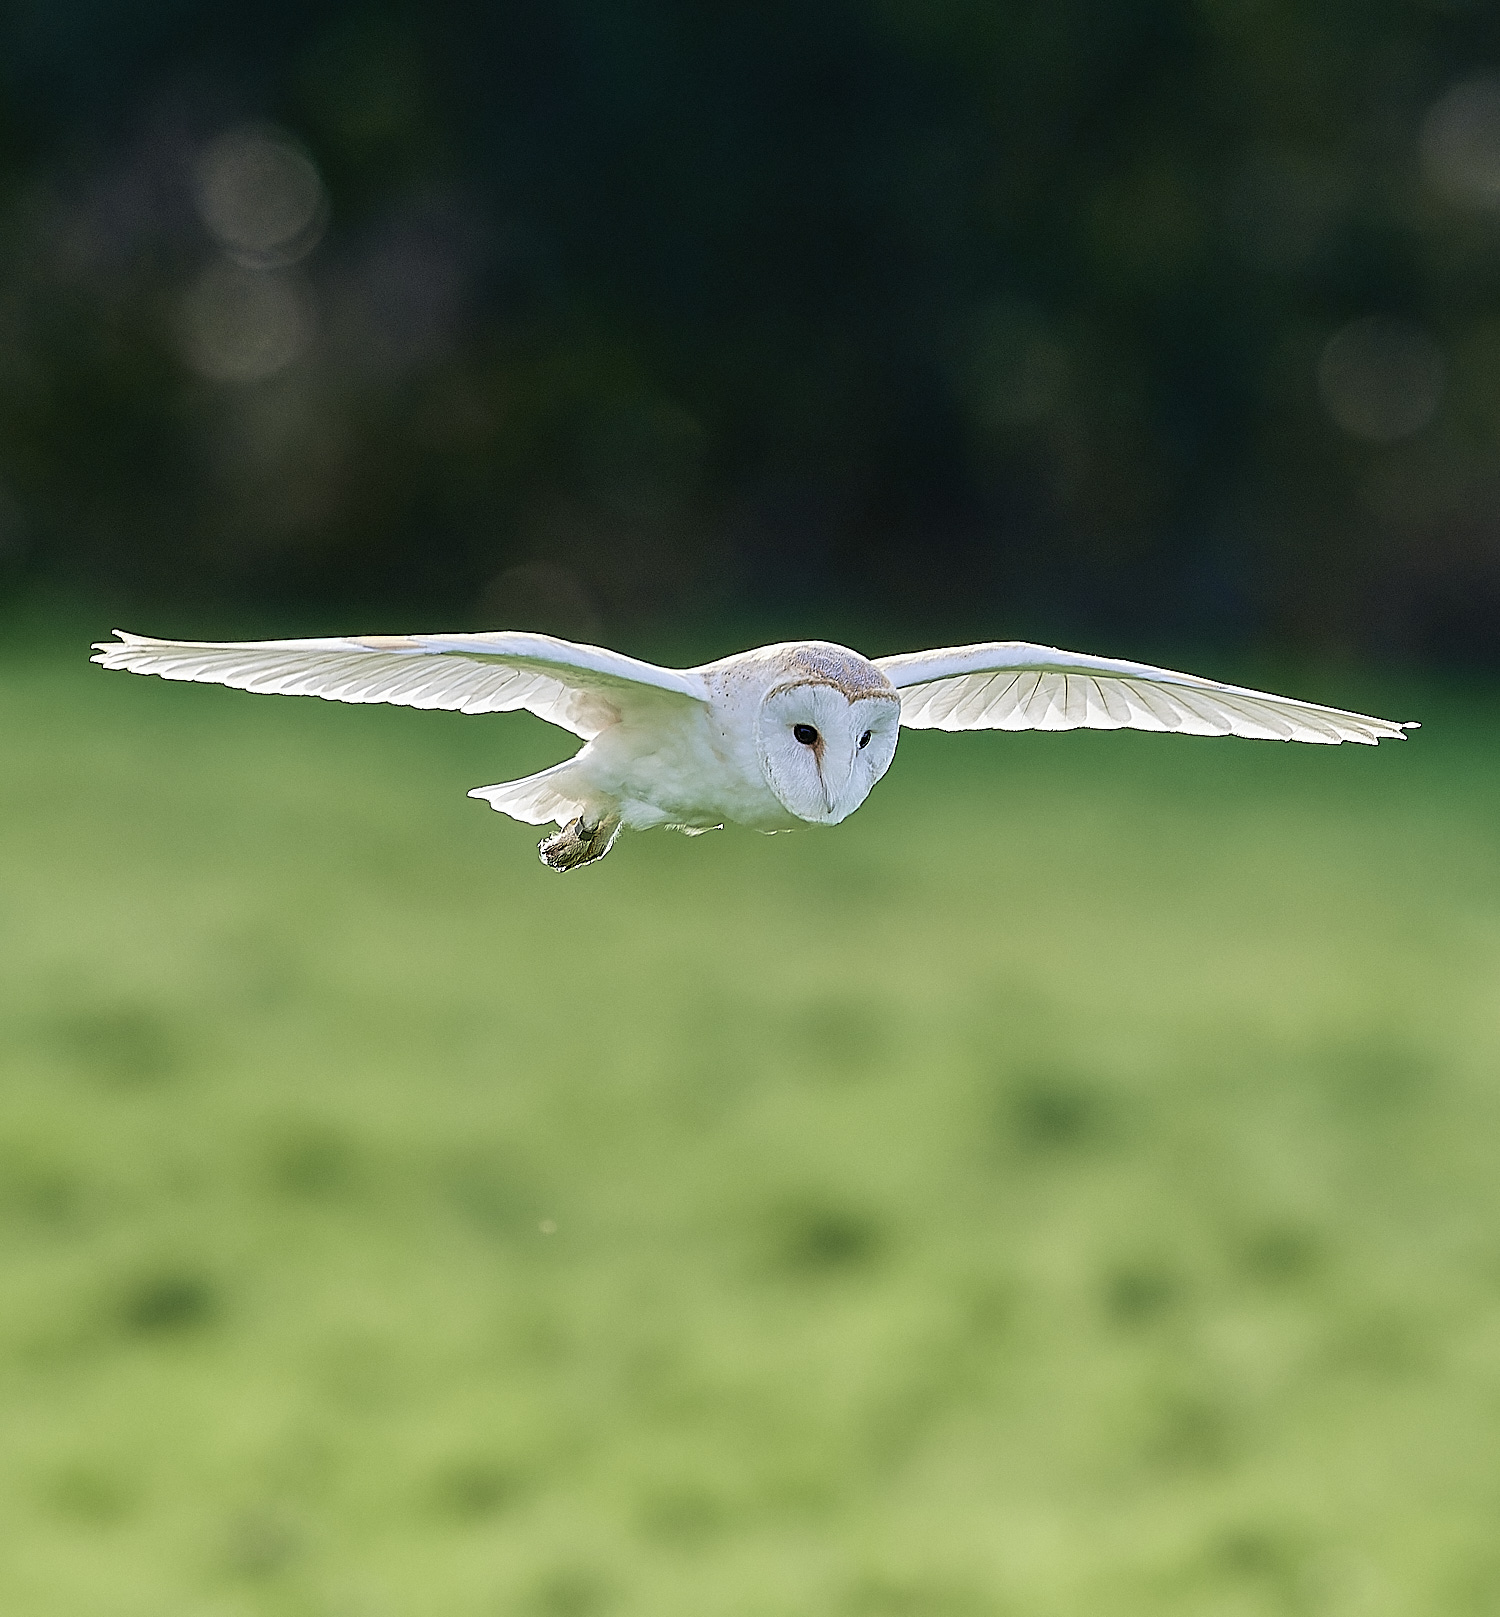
(805, 734)
(864, 740)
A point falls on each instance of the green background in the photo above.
(1068, 1187)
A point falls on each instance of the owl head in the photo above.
(826, 732)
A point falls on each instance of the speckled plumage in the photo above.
(789, 734)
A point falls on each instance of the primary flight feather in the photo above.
(781, 736)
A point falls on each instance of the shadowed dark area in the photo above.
(1139, 323)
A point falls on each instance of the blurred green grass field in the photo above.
(1068, 1188)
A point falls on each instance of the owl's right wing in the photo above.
(1010, 685)
(584, 689)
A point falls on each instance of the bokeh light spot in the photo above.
(239, 325)
(259, 196)
(1461, 143)
(1381, 379)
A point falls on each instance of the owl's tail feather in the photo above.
(539, 799)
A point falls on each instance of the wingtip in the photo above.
(111, 650)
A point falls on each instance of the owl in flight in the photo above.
(793, 734)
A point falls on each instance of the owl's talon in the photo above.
(578, 844)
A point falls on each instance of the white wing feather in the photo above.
(1010, 685)
(584, 689)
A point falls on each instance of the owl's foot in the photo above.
(578, 844)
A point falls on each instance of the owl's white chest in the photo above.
(695, 767)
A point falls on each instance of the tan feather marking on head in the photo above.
(846, 672)
(388, 642)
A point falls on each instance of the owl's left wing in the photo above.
(1010, 685)
(584, 689)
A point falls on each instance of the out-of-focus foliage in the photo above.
(1176, 315)
(1066, 1188)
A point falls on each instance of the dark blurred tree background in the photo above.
(1130, 319)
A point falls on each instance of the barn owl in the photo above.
(786, 735)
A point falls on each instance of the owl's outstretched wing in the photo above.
(1009, 685)
(584, 689)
